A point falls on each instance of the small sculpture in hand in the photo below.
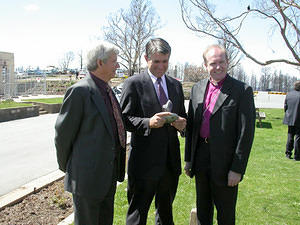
(168, 108)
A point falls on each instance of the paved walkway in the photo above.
(27, 151)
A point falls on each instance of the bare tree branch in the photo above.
(200, 16)
(129, 30)
(66, 60)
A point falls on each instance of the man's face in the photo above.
(216, 64)
(158, 64)
(109, 68)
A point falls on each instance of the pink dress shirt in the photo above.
(211, 96)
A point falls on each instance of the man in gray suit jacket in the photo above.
(219, 135)
(292, 119)
(90, 140)
(154, 163)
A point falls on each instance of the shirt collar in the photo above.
(154, 78)
(99, 82)
(220, 83)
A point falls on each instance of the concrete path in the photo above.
(27, 151)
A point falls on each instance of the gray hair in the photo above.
(214, 46)
(157, 45)
(102, 52)
(297, 85)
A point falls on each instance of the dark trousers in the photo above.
(140, 194)
(92, 211)
(293, 142)
(209, 194)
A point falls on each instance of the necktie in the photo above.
(118, 117)
(161, 93)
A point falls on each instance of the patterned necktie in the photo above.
(118, 117)
(161, 93)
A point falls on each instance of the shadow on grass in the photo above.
(264, 125)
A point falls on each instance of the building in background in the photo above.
(7, 77)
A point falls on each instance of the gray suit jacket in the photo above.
(150, 147)
(84, 140)
(292, 109)
(232, 125)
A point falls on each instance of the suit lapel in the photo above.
(171, 91)
(150, 93)
(100, 105)
(225, 92)
(200, 94)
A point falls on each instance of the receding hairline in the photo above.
(211, 47)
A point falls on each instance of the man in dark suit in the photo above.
(292, 119)
(154, 163)
(90, 140)
(219, 136)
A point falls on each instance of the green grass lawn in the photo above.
(269, 193)
(46, 100)
(11, 104)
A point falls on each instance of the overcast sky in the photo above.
(39, 32)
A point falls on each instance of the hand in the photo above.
(179, 124)
(233, 178)
(158, 120)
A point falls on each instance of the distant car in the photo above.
(82, 74)
(118, 91)
(120, 73)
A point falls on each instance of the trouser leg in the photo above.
(290, 141)
(140, 193)
(164, 197)
(225, 198)
(94, 211)
(204, 201)
(297, 143)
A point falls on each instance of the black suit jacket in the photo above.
(150, 147)
(292, 109)
(85, 144)
(232, 125)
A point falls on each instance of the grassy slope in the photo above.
(269, 193)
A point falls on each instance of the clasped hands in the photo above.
(158, 121)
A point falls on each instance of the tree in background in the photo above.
(282, 15)
(239, 73)
(253, 82)
(66, 60)
(265, 78)
(80, 55)
(234, 56)
(129, 30)
(193, 73)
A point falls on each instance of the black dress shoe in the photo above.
(297, 159)
(288, 156)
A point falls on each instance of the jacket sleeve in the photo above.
(129, 104)
(246, 128)
(189, 130)
(67, 126)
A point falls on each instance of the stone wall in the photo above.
(50, 108)
(18, 113)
